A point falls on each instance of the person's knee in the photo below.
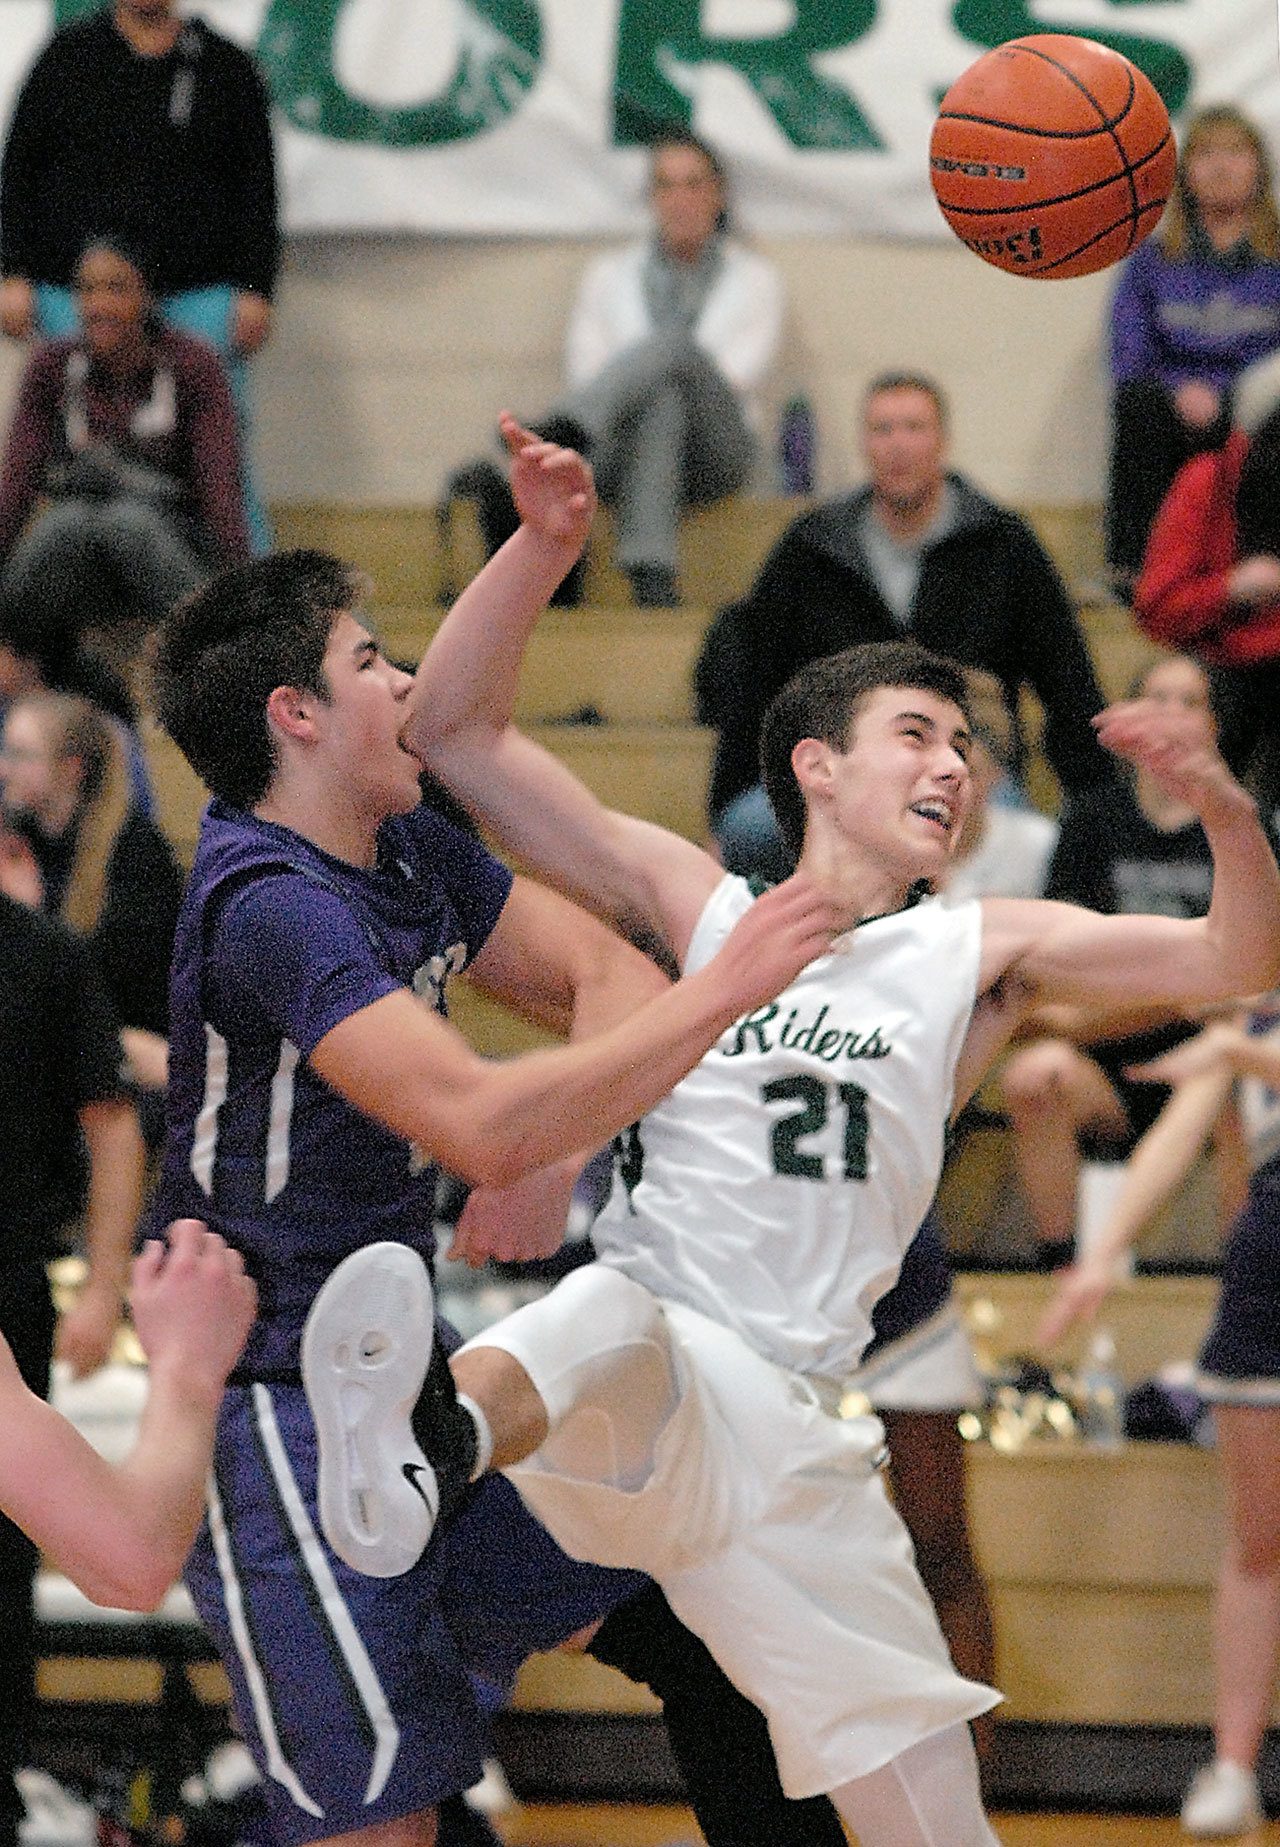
(1037, 1082)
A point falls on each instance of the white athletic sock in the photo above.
(484, 1436)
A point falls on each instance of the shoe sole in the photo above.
(366, 1347)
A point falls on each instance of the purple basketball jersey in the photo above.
(277, 943)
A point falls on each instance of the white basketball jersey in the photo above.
(777, 1187)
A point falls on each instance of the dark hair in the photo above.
(909, 381)
(223, 651)
(129, 250)
(822, 701)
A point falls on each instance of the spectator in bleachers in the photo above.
(127, 429)
(1125, 848)
(668, 347)
(35, 660)
(160, 128)
(104, 868)
(1210, 581)
(918, 552)
(61, 1097)
(1196, 304)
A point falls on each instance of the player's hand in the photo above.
(1197, 404)
(1078, 1293)
(552, 487)
(1255, 581)
(85, 1332)
(1209, 1051)
(17, 308)
(782, 933)
(251, 325)
(516, 1224)
(1175, 749)
(192, 1306)
(20, 875)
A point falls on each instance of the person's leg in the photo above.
(27, 1321)
(1149, 443)
(1247, 1612)
(719, 446)
(57, 313)
(927, 1477)
(718, 1737)
(1053, 1093)
(928, 1796)
(210, 313)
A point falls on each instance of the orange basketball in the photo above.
(1052, 156)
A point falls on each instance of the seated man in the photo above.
(918, 553)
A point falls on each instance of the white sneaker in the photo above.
(365, 1351)
(1222, 1800)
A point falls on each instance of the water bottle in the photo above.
(1101, 1395)
(797, 435)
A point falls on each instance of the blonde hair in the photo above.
(75, 728)
(1180, 213)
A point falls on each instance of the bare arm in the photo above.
(552, 963)
(1060, 953)
(117, 1161)
(122, 1532)
(1158, 1165)
(645, 881)
(494, 1121)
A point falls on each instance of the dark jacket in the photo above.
(172, 153)
(988, 597)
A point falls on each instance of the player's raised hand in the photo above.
(782, 933)
(1175, 748)
(552, 487)
(192, 1306)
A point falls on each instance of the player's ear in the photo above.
(811, 765)
(290, 711)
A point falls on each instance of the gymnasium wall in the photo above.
(391, 357)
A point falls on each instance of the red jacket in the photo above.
(1181, 597)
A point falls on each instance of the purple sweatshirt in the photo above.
(1200, 317)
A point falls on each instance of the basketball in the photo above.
(1052, 156)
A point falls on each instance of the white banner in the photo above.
(519, 117)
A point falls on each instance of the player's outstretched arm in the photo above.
(1158, 1164)
(1062, 953)
(491, 1122)
(122, 1532)
(636, 876)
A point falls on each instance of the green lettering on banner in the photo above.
(992, 22)
(661, 44)
(499, 52)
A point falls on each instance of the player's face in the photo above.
(365, 720)
(902, 787)
(687, 199)
(904, 446)
(1222, 170)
